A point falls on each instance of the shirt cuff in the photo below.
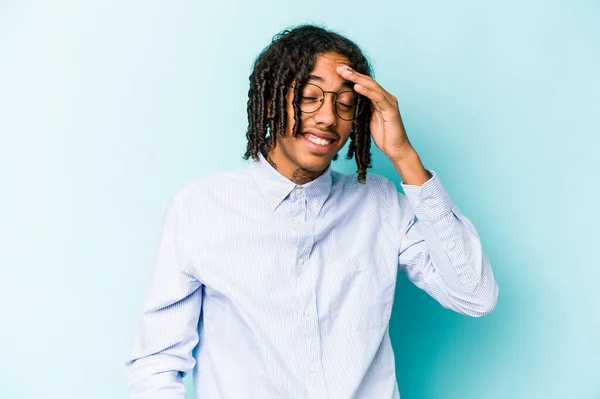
(429, 201)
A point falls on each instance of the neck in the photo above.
(302, 176)
(296, 174)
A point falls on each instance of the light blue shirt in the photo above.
(267, 289)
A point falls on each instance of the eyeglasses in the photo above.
(312, 98)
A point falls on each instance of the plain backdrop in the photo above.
(107, 108)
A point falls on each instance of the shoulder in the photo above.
(226, 183)
(374, 183)
(377, 190)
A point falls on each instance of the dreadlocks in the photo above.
(291, 55)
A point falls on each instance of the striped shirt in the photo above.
(266, 289)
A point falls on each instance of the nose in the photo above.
(326, 114)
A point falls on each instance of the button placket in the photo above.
(297, 209)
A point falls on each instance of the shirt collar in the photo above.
(275, 187)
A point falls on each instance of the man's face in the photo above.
(322, 133)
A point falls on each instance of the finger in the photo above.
(350, 74)
(364, 80)
(378, 99)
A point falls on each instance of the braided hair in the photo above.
(291, 55)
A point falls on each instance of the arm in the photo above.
(441, 253)
(167, 332)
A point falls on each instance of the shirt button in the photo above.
(313, 369)
(298, 191)
(307, 314)
(296, 221)
(428, 202)
(316, 204)
(301, 261)
(417, 203)
(450, 245)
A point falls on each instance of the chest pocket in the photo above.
(363, 296)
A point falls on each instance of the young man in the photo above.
(277, 280)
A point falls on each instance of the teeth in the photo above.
(317, 140)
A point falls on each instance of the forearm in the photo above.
(442, 252)
(162, 350)
(144, 381)
(457, 269)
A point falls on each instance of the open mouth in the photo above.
(317, 140)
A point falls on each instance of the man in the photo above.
(277, 280)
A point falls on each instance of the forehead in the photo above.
(324, 69)
(330, 61)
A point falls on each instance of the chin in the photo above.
(316, 165)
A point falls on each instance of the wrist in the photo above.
(411, 170)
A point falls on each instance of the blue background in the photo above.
(107, 108)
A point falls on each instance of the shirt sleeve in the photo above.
(168, 329)
(440, 250)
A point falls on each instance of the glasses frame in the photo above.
(335, 97)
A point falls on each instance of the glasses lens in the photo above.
(311, 97)
(345, 105)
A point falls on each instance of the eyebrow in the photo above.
(346, 83)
